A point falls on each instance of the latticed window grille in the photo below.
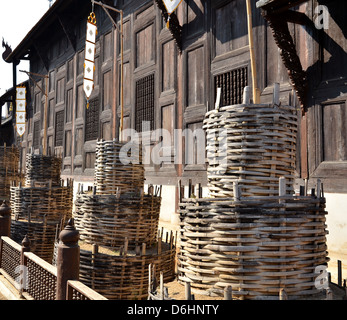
(144, 102)
(232, 84)
(36, 141)
(59, 128)
(92, 120)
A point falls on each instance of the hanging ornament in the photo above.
(20, 109)
(171, 6)
(89, 58)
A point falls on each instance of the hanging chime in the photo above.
(89, 59)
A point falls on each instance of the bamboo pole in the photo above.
(256, 95)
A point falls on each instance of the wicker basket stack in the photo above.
(41, 207)
(252, 233)
(253, 145)
(9, 165)
(118, 225)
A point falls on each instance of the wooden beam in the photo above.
(297, 18)
(42, 53)
(67, 23)
(274, 5)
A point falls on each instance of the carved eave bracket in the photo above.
(290, 58)
(174, 25)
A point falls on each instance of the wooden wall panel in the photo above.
(195, 77)
(335, 132)
(168, 66)
(145, 44)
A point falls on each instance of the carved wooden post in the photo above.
(5, 220)
(23, 264)
(68, 259)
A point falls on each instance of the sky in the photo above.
(17, 19)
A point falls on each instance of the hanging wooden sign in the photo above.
(89, 63)
(20, 112)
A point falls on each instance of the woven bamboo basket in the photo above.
(9, 165)
(253, 144)
(118, 219)
(109, 219)
(118, 168)
(121, 274)
(40, 213)
(41, 169)
(41, 207)
(256, 245)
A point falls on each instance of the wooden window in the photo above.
(127, 87)
(90, 160)
(92, 120)
(168, 120)
(107, 46)
(79, 141)
(50, 115)
(80, 102)
(145, 45)
(59, 128)
(51, 82)
(106, 130)
(127, 36)
(168, 61)
(144, 106)
(60, 90)
(107, 92)
(96, 72)
(80, 62)
(70, 72)
(68, 143)
(126, 125)
(195, 146)
(50, 145)
(37, 105)
(335, 132)
(36, 141)
(69, 103)
(230, 27)
(195, 77)
(232, 84)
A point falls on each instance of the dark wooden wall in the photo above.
(173, 90)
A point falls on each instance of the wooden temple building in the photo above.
(169, 78)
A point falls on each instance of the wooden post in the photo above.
(188, 292)
(228, 293)
(282, 186)
(5, 220)
(283, 295)
(68, 259)
(23, 264)
(329, 294)
(339, 273)
(251, 50)
(161, 285)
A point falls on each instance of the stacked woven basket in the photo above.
(42, 206)
(9, 164)
(252, 234)
(118, 225)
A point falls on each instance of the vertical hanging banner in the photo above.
(171, 6)
(89, 63)
(20, 112)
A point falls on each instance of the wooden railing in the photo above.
(34, 278)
